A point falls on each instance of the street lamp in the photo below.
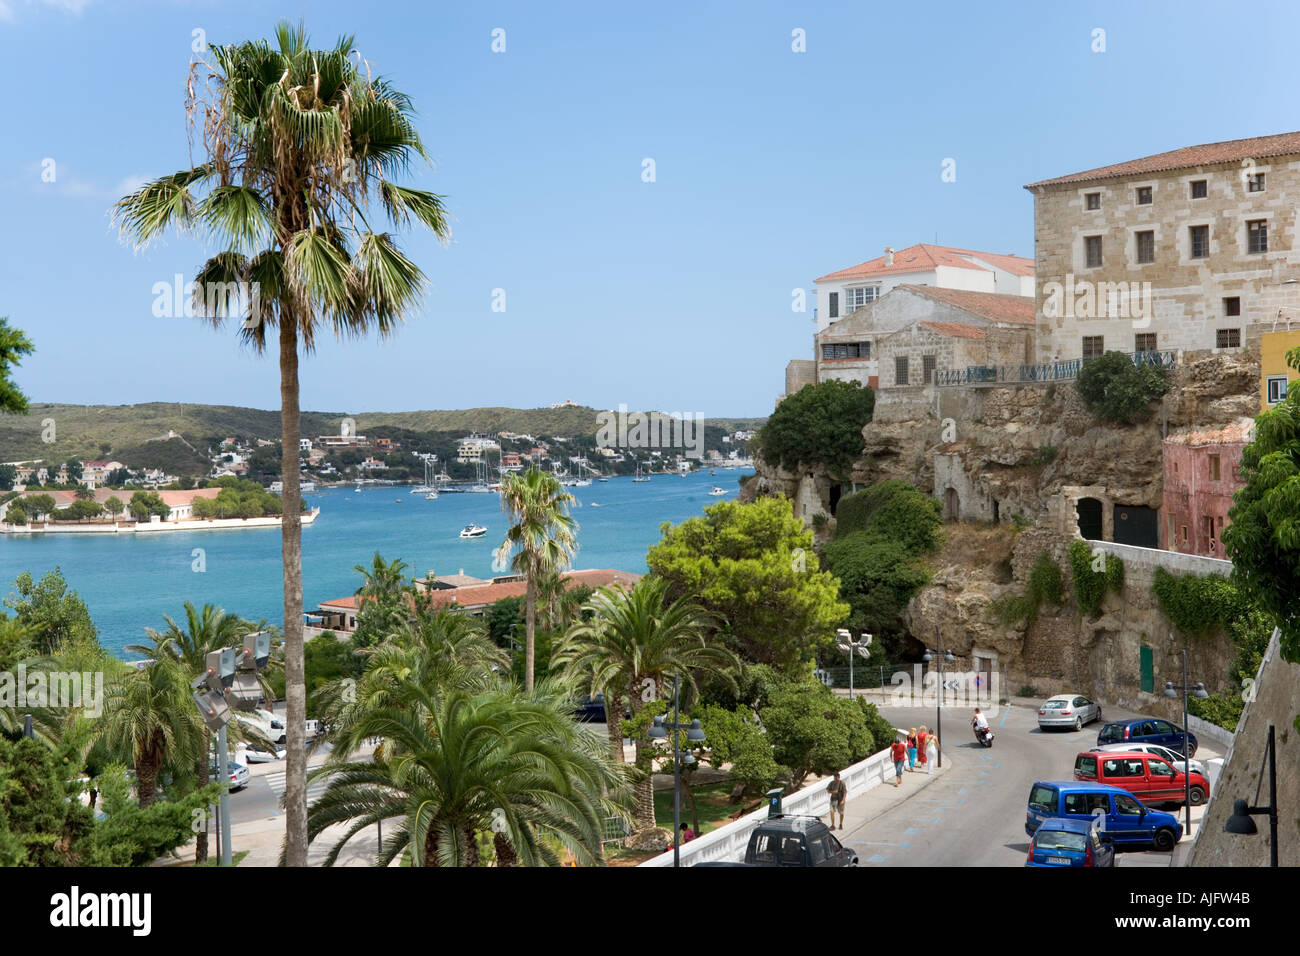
(944, 657)
(695, 734)
(1198, 691)
(846, 643)
(1240, 822)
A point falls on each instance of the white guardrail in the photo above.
(728, 844)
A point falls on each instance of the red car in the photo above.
(1150, 778)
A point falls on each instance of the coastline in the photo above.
(157, 527)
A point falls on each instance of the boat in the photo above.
(473, 531)
(713, 471)
(431, 496)
(602, 478)
(717, 491)
(639, 476)
(357, 489)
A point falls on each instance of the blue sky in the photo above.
(771, 168)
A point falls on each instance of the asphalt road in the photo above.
(974, 814)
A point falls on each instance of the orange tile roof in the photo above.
(172, 499)
(993, 306)
(480, 595)
(1229, 151)
(956, 330)
(925, 257)
(1236, 433)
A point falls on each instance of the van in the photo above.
(1149, 777)
(1129, 823)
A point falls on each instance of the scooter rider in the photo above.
(980, 723)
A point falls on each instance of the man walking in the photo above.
(838, 792)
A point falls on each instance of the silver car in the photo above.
(1068, 710)
(1173, 756)
(239, 775)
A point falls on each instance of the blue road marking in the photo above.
(906, 845)
(911, 830)
(963, 790)
(876, 859)
(1005, 714)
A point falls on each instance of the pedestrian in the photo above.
(687, 834)
(838, 792)
(931, 752)
(898, 750)
(911, 750)
(921, 736)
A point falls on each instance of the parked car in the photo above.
(1068, 710)
(1129, 823)
(592, 710)
(255, 754)
(1173, 756)
(794, 841)
(1065, 841)
(1150, 778)
(1147, 730)
(239, 775)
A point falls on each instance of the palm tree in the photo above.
(208, 630)
(299, 144)
(541, 538)
(629, 642)
(150, 714)
(467, 761)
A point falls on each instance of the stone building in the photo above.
(1190, 249)
(1202, 473)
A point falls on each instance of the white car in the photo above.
(254, 754)
(1173, 756)
(1068, 710)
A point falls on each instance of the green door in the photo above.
(1148, 672)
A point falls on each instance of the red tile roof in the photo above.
(1230, 151)
(480, 595)
(925, 257)
(956, 330)
(1236, 433)
(172, 499)
(991, 306)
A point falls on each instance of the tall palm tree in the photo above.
(383, 580)
(467, 761)
(630, 642)
(299, 144)
(541, 538)
(150, 714)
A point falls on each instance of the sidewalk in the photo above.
(883, 797)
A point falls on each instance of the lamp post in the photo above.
(1197, 691)
(846, 643)
(942, 656)
(1241, 822)
(694, 734)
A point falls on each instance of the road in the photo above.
(974, 814)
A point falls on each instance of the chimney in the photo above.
(889, 255)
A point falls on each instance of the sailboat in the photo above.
(639, 476)
(582, 482)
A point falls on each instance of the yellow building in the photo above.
(1274, 374)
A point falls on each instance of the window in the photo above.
(858, 297)
(1146, 247)
(1232, 305)
(1255, 183)
(1092, 200)
(1183, 535)
(847, 350)
(1200, 241)
(927, 368)
(1208, 523)
(1092, 251)
(1144, 342)
(1257, 235)
(1227, 339)
(1144, 196)
(1159, 768)
(1200, 189)
(834, 310)
(1093, 347)
(1214, 468)
(1127, 805)
(900, 370)
(1276, 388)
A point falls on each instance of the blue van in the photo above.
(1127, 821)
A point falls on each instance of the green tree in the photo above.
(73, 468)
(113, 506)
(540, 541)
(631, 642)
(752, 567)
(56, 618)
(8, 476)
(813, 731)
(819, 425)
(300, 143)
(13, 346)
(1116, 389)
(37, 505)
(16, 514)
(39, 824)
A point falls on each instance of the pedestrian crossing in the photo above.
(276, 781)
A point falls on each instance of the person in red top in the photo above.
(921, 736)
(899, 752)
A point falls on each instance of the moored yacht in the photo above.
(473, 531)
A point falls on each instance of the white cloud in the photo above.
(6, 11)
(129, 185)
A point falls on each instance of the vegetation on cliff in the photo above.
(1115, 389)
(818, 426)
(1091, 582)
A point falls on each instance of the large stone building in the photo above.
(1190, 249)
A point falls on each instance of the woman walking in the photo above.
(911, 750)
(921, 737)
(931, 753)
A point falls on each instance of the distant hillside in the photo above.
(91, 431)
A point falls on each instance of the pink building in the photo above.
(1201, 476)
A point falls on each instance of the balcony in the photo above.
(1041, 373)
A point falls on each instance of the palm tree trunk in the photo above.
(506, 855)
(643, 817)
(147, 761)
(614, 725)
(530, 619)
(295, 795)
(201, 844)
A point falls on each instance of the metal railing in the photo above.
(1062, 371)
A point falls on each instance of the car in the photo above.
(1147, 730)
(1068, 710)
(591, 710)
(1173, 756)
(793, 840)
(239, 775)
(1129, 823)
(1149, 777)
(255, 754)
(1066, 841)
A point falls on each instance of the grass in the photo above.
(713, 804)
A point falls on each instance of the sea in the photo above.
(129, 581)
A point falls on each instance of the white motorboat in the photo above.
(717, 491)
(357, 489)
(431, 496)
(473, 531)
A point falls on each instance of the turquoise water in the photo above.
(130, 581)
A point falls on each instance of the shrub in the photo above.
(1197, 605)
(1044, 585)
(1045, 455)
(894, 510)
(1116, 390)
(1091, 586)
(1221, 709)
(818, 425)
